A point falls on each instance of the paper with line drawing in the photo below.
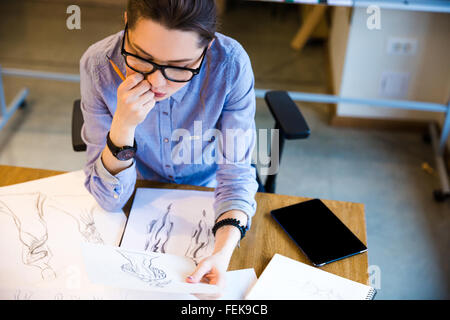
(138, 270)
(171, 221)
(42, 223)
(288, 279)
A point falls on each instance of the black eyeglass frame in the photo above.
(158, 66)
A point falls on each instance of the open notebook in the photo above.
(288, 279)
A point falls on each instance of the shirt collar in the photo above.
(178, 96)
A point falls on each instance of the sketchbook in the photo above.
(288, 279)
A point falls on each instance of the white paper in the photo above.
(42, 223)
(171, 221)
(137, 270)
(288, 279)
(179, 222)
(53, 216)
(238, 283)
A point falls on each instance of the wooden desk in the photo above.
(265, 237)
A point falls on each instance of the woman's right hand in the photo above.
(134, 102)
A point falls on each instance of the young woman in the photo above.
(180, 74)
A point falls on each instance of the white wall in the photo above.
(337, 45)
(366, 59)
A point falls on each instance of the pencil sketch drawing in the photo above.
(29, 212)
(201, 240)
(158, 233)
(32, 228)
(22, 295)
(140, 266)
(176, 222)
(84, 217)
(314, 292)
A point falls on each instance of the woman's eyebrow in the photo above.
(149, 55)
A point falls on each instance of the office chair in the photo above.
(288, 120)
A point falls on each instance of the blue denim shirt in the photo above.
(229, 104)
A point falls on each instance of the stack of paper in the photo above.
(45, 223)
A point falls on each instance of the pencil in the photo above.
(116, 69)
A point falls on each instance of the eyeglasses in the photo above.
(146, 67)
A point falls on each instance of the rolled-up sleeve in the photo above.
(236, 177)
(110, 191)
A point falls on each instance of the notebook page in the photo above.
(288, 279)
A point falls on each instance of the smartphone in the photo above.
(317, 231)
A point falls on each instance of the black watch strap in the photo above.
(121, 153)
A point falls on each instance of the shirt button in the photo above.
(166, 140)
(165, 113)
(116, 196)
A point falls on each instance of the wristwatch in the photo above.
(121, 153)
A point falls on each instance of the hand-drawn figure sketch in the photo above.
(22, 295)
(314, 292)
(42, 224)
(140, 266)
(158, 233)
(88, 229)
(202, 240)
(32, 228)
(176, 222)
(84, 219)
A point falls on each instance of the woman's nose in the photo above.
(157, 79)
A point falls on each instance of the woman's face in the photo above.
(152, 41)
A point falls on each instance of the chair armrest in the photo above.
(77, 123)
(287, 114)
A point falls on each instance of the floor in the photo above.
(407, 231)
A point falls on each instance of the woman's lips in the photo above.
(158, 94)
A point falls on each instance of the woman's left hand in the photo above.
(211, 270)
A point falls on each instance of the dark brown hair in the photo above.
(198, 16)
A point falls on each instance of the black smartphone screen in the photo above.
(321, 236)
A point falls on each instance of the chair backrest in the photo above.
(77, 123)
(287, 115)
(290, 123)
